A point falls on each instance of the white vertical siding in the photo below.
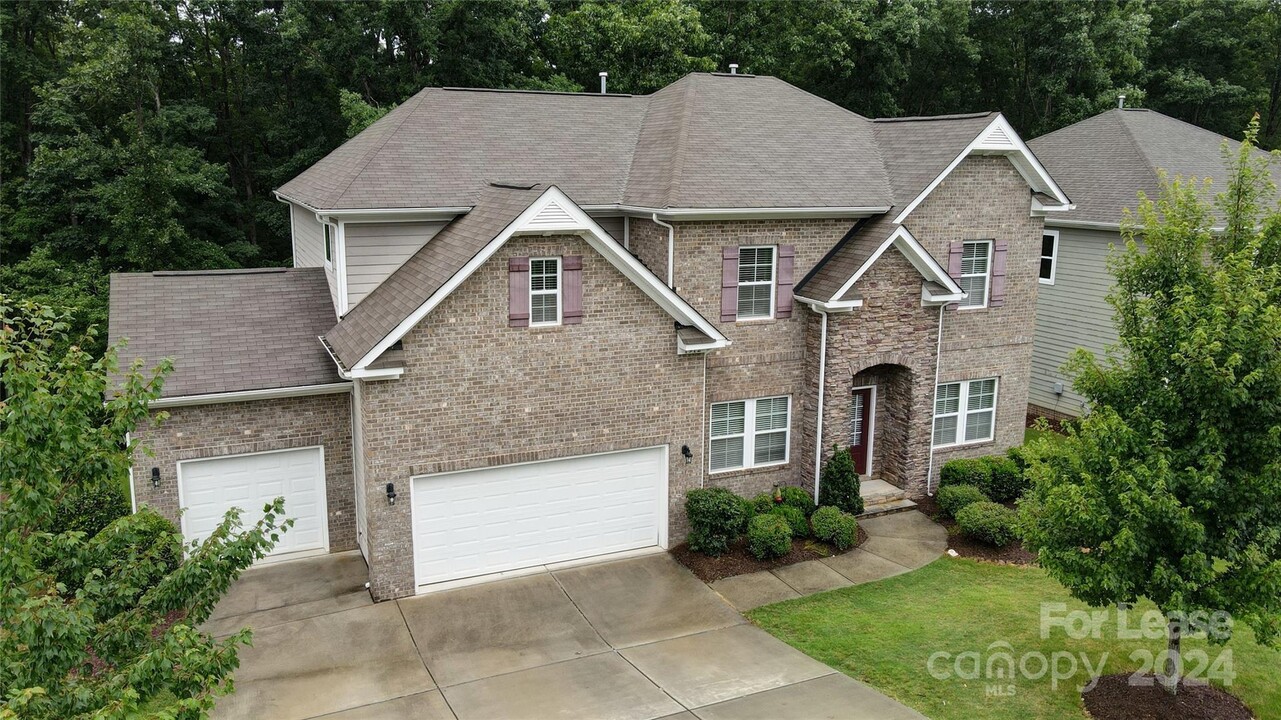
(1072, 313)
(309, 245)
(375, 250)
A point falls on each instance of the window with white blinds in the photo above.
(544, 291)
(976, 262)
(749, 433)
(964, 412)
(755, 282)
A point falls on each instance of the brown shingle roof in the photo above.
(426, 271)
(226, 330)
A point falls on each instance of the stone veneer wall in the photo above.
(204, 431)
(477, 393)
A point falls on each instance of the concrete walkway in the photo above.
(636, 639)
(896, 544)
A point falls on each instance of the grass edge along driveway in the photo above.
(884, 633)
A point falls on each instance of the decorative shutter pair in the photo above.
(996, 289)
(786, 262)
(571, 292)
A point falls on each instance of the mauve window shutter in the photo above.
(997, 296)
(571, 273)
(954, 253)
(729, 284)
(518, 292)
(783, 296)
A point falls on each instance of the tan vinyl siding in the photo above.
(1072, 313)
(309, 245)
(376, 250)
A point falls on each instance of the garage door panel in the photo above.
(497, 519)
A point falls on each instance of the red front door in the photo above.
(860, 424)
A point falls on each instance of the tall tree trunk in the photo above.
(1172, 673)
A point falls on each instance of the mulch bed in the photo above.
(1115, 699)
(738, 561)
(1012, 554)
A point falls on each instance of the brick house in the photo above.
(520, 326)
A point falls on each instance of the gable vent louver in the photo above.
(997, 139)
(551, 217)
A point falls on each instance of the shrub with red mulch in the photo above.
(738, 561)
(1012, 554)
(1114, 698)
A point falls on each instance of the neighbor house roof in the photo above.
(705, 141)
(1104, 161)
(226, 330)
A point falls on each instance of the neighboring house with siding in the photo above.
(1103, 163)
(522, 325)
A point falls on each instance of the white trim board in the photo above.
(566, 218)
(248, 395)
(915, 253)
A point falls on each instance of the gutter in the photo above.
(818, 424)
(671, 246)
(831, 305)
(345, 374)
(248, 395)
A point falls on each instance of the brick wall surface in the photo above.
(477, 393)
(205, 431)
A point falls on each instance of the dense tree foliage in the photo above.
(144, 135)
(99, 621)
(1170, 489)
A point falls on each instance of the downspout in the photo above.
(704, 430)
(671, 247)
(938, 353)
(818, 424)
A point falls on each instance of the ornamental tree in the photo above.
(103, 626)
(1170, 489)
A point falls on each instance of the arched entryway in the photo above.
(880, 407)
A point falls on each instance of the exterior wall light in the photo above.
(155, 477)
(391, 493)
(687, 454)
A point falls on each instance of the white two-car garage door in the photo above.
(495, 519)
(207, 488)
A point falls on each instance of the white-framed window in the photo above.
(1049, 255)
(544, 291)
(756, 282)
(330, 233)
(749, 433)
(976, 267)
(964, 412)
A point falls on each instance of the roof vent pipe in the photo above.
(603, 76)
(1120, 101)
(733, 68)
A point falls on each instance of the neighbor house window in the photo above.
(755, 282)
(964, 412)
(544, 291)
(329, 243)
(976, 257)
(1049, 255)
(749, 433)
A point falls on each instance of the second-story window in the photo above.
(976, 265)
(755, 282)
(544, 291)
(1049, 256)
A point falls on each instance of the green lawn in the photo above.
(1032, 433)
(884, 633)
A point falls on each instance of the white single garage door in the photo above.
(491, 520)
(207, 488)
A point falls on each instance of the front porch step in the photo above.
(890, 507)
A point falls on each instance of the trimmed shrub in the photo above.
(988, 522)
(715, 519)
(1021, 455)
(836, 527)
(954, 497)
(90, 511)
(800, 499)
(839, 485)
(1005, 481)
(965, 471)
(795, 519)
(769, 536)
(763, 503)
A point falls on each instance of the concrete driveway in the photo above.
(634, 639)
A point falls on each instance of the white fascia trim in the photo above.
(915, 254)
(247, 395)
(683, 349)
(928, 298)
(1059, 222)
(761, 213)
(1014, 148)
(578, 222)
(383, 214)
(1040, 209)
(835, 306)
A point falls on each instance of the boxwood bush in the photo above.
(965, 471)
(795, 519)
(988, 522)
(800, 499)
(1005, 480)
(952, 498)
(769, 536)
(715, 519)
(763, 503)
(836, 527)
(89, 511)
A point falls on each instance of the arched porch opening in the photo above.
(880, 407)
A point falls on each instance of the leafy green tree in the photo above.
(100, 626)
(358, 113)
(1171, 487)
